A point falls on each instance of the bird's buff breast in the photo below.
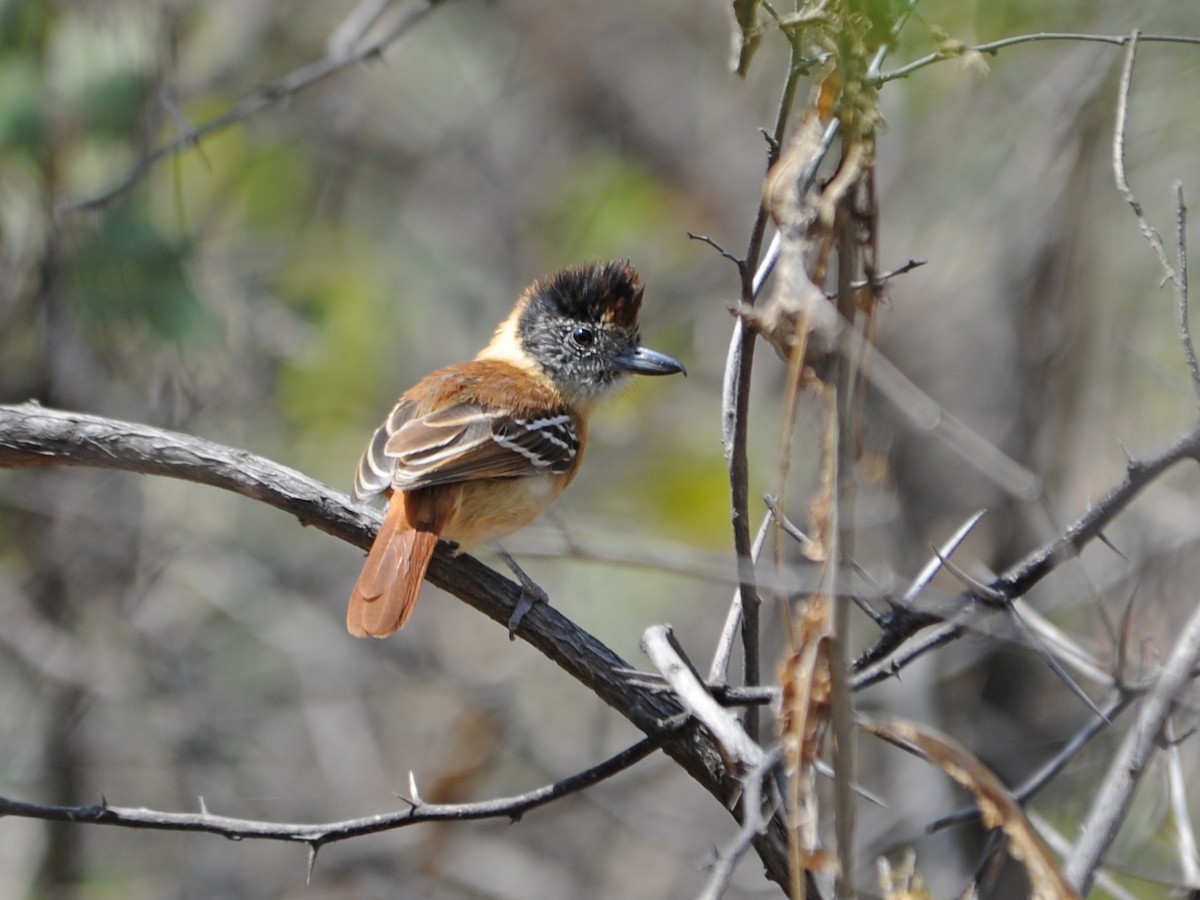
(500, 506)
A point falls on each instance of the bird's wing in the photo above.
(461, 442)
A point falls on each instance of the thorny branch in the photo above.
(886, 657)
(317, 835)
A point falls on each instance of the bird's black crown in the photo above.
(578, 321)
(603, 293)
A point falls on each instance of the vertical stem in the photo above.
(738, 372)
(842, 530)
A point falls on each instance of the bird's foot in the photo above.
(531, 592)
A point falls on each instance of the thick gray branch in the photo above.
(31, 436)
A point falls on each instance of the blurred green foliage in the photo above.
(127, 272)
(24, 23)
(323, 388)
(113, 103)
(604, 206)
(22, 108)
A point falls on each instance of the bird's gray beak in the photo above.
(644, 361)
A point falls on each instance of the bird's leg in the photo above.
(531, 591)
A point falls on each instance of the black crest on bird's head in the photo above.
(604, 293)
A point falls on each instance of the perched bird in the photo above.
(477, 450)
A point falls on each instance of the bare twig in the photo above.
(957, 51)
(876, 281)
(719, 670)
(1181, 288)
(705, 239)
(754, 820)
(1118, 157)
(1177, 277)
(790, 528)
(1129, 764)
(336, 59)
(1181, 812)
(317, 835)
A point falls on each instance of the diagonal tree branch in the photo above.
(887, 657)
(34, 436)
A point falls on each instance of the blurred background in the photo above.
(278, 286)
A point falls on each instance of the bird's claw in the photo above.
(531, 593)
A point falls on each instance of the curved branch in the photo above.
(33, 436)
(317, 835)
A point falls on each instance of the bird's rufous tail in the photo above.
(390, 582)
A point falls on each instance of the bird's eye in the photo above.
(584, 337)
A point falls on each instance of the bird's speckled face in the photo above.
(581, 326)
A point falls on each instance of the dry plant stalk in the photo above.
(817, 225)
(997, 806)
(904, 882)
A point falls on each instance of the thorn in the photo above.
(103, 802)
(1103, 538)
(203, 807)
(788, 526)
(1122, 638)
(412, 790)
(986, 591)
(1043, 652)
(313, 847)
(931, 568)
(656, 687)
(630, 672)
(868, 610)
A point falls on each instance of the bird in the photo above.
(477, 450)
